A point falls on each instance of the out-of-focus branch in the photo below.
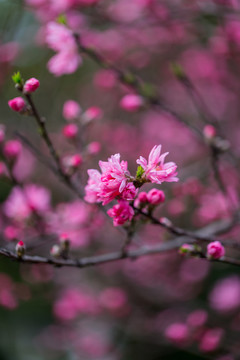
(132, 81)
(109, 257)
(45, 136)
(210, 230)
(206, 236)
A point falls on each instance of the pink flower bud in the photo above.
(211, 339)
(177, 333)
(215, 250)
(17, 104)
(12, 149)
(94, 148)
(209, 132)
(70, 131)
(20, 248)
(31, 85)
(71, 110)
(142, 197)
(92, 113)
(131, 102)
(73, 161)
(155, 196)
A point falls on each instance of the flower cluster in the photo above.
(116, 182)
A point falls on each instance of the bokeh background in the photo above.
(159, 307)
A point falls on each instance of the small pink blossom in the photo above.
(70, 131)
(73, 161)
(209, 132)
(131, 102)
(94, 148)
(177, 333)
(155, 196)
(92, 113)
(111, 183)
(121, 213)
(21, 203)
(155, 170)
(12, 149)
(31, 85)
(71, 110)
(17, 104)
(143, 197)
(211, 339)
(215, 250)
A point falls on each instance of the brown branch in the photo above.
(109, 257)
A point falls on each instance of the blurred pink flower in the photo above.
(21, 203)
(225, 296)
(177, 333)
(211, 340)
(60, 39)
(71, 110)
(215, 250)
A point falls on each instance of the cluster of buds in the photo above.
(151, 199)
(215, 250)
(18, 104)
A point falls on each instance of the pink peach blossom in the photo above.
(215, 250)
(31, 85)
(121, 213)
(155, 170)
(17, 104)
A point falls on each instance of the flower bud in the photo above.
(71, 110)
(20, 248)
(94, 148)
(31, 85)
(70, 131)
(55, 251)
(131, 102)
(142, 197)
(155, 196)
(64, 242)
(186, 249)
(209, 132)
(215, 250)
(17, 104)
(12, 149)
(73, 161)
(92, 113)
(165, 221)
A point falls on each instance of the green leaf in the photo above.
(140, 172)
(177, 70)
(62, 19)
(17, 78)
